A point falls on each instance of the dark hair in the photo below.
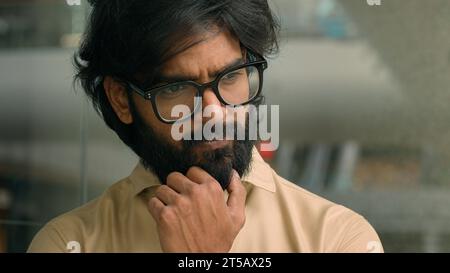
(130, 38)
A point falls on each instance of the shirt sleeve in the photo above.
(48, 240)
(360, 237)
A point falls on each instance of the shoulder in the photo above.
(341, 229)
(66, 232)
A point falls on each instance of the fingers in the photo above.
(155, 206)
(236, 197)
(199, 175)
(166, 195)
(178, 182)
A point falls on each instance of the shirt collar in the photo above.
(260, 175)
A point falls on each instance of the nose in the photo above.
(210, 98)
(211, 101)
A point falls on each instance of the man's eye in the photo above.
(232, 76)
(173, 90)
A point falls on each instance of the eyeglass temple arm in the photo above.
(146, 95)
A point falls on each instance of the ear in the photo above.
(117, 96)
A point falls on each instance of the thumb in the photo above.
(237, 194)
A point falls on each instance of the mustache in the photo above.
(197, 137)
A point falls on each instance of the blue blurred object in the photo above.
(331, 20)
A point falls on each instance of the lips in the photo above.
(214, 144)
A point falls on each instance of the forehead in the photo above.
(211, 50)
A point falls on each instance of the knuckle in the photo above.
(180, 202)
(152, 207)
(166, 216)
(188, 187)
(214, 186)
(153, 202)
(183, 205)
(195, 190)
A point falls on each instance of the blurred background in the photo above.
(364, 115)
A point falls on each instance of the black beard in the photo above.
(163, 158)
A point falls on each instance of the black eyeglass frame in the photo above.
(255, 60)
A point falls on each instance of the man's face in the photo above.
(200, 63)
(158, 149)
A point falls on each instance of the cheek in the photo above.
(163, 130)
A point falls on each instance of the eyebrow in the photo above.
(180, 78)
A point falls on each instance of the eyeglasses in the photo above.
(236, 86)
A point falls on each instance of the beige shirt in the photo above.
(280, 217)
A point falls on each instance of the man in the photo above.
(139, 60)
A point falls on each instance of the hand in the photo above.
(192, 215)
